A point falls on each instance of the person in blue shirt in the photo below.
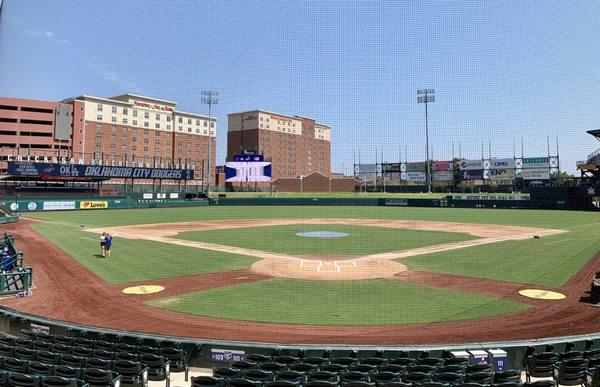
(108, 244)
(6, 261)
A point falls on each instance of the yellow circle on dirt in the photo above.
(144, 289)
(541, 294)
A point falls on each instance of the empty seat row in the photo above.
(207, 381)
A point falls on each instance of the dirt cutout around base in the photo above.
(327, 266)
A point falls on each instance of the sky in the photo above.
(502, 70)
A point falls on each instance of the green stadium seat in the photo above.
(22, 380)
(66, 371)
(384, 376)
(226, 373)
(322, 376)
(25, 353)
(448, 377)
(57, 381)
(416, 377)
(48, 357)
(39, 368)
(208, 381)
(177, 359)
(158, 367)
(290, 376)
(15, 365)
(97, 377)
(62, 348)
(272, 367)
(259, 375)
(132, 373)
(303, 367)
(239, 382)
(333, 367)
(72, 361)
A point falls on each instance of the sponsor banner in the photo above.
(442, 175)
(48, 171)
(476, 174)
(536, 162)
(502, 174)
(536, 174)
(58, 205)
(415, 167)
(147, 196)
(396, 202)
(471, 165)
(93, 204)
(502, 163)
(390, 167)
(226, 355)
(173, 195)
(442, 165)
(37, 328)
(248, 171)
(491, 197)
(367, 168)
(415, 177)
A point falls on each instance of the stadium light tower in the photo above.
(209, 98)
(425, 96)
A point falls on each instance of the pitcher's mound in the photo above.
(329, 270)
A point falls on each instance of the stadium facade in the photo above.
(126, 129)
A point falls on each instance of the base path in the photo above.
(326, 266)
(67, 291)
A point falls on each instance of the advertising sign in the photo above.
(415, 177)
(471, 165)
(47, 171)
(472, 174)
(536, 174)
(226, 355)
(92, 204)
(367, 168)
(536, 162)
(57, 206)
(442, 165)
(415, 167)
(442, 175)
(248, 171)
(248, 158)
(502, 163)
(502, 174)
(390, 167)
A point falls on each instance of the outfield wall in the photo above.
(96, 203)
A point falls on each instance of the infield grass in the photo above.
(361, 240)
(371, 302)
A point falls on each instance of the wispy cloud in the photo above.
(110, 75)
(41, 34)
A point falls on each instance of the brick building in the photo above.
(295, 145)
(124, 130)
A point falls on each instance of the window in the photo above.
(134, 122)
(124, 120)
(145, 141)
(206, 123)
(145, 149)
(112, 146)
(99, 107)
(125, 111)
(124, 138)
(157, 150)
(146, 124)
(189, 121)
(113, 109)
(197, 130)
(168, 118)
(157, 142)
(180, 120)
(134, 113)
(133, 139)
(146, 115)
(99, 117)
(113, 137)
(124, 147)
(197, 122)
(133, 147)
(157, 116)
(157, 126)
(98, 135)
(113, 119)
(113, 128)
(168, 127)
(180, 129)
(189, 130)
(98, 145)
(146, 132)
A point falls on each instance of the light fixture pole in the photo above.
(425, 96)
(209, 98)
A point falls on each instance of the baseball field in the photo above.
(359, 274)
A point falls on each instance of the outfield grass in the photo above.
(372, 302)
(138, 260)
(549, 261)
(361, 240)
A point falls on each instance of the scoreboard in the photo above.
(248, 169)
